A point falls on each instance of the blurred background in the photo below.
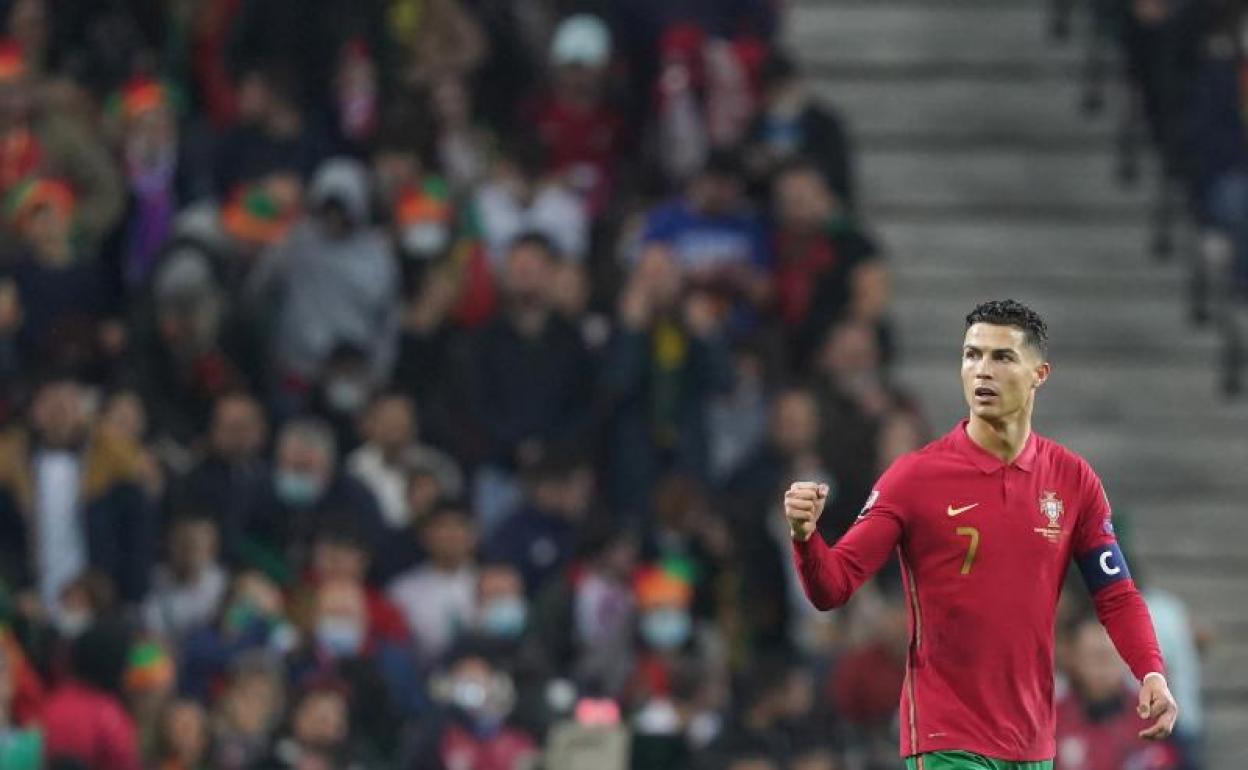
(413, 383)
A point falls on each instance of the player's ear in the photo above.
(1042, 374)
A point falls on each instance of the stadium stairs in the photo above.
(983, 180)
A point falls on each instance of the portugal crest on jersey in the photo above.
(1051, 508)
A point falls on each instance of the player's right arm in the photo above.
(830, 574)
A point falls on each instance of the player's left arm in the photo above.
(1120, 607)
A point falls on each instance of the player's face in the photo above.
(1000, 372)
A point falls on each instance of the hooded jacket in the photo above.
(328, 289)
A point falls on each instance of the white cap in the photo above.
(581, 39)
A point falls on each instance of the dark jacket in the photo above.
(118, 519)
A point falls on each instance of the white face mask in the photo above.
(340, 637)
(425, 239)
(346, 395)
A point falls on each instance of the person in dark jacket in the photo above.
(81, 490)
(669, 354)
(532, 377)
(791, 124)
(306, 491)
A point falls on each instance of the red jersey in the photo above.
(984, 548)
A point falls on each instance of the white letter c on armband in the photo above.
(1108, 570)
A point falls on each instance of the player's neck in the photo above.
(1004, 439)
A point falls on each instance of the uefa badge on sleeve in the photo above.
(1051, 508)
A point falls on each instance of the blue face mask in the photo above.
(296, 488)
(504, 618)
(666, 629)
(340, 637)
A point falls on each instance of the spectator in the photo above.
(194, 348)
(232, 474)
(502, 609)
(341, 390)
(442, 41)
(184, 737)
(792, 125)
(81, 490)
(737, 419)
(319, 733)
(305, 494)
(522, 196)
(59, 314)
(820, 252)
(335, 280)
(382, 463)
(42, 143)
(1097, 724)
(377, 675)
(856, 400)
(84, 719)
(272, 134)
(338, 553)
(247, 713)
(124, 416)
(156, 167)
(538, 538)
(21, 747)
(584, 622)
(532, 379)
(580, 131)
(1219, 139)
(149, 682)
(438, 599)
(867, 681)
(668, 356)
(665, 625)
(188, 588)
(473, 724)
(712, 234)
(464, 147)
(252, 620)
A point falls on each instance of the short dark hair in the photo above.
(1008, 312)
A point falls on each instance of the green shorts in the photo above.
(965, 760)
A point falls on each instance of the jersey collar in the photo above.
(987, 462)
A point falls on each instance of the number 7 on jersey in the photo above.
(973, 534)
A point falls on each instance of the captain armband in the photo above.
(1103, 566)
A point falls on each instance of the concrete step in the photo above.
(832, 33)
(995, 177)
(1092, 322)
(1196, 527)
(1224, 726)
(1025, 249)
(1143, 282)
(952, 105)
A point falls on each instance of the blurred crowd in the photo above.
(412, 384)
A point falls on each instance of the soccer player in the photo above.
(985, 521)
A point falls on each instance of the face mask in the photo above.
(297, 489)
(425, 239)
(340, 637)
(71, 623)
(504, 618)
(346, 395)
(469, 695)
(666, 629)
(239, 615)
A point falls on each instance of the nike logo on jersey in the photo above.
(955, 511)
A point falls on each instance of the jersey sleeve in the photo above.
(1119, 605)
(830, 574)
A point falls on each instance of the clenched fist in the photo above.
(803, 504)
